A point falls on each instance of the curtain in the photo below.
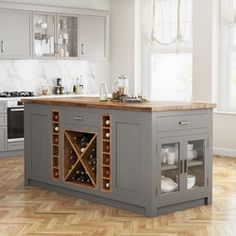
(172, 24)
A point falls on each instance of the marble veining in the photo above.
(34, 74)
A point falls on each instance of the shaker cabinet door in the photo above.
(15, 40)
(92, 34)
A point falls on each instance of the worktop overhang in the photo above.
(94, 102)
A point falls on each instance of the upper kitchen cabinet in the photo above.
(92, 36)
(44, 43)
(15, 34)
(55, 36)
(67, 36)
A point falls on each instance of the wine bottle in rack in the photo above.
(56, 128)
(107, 122)
(107, 185)
(107, 135)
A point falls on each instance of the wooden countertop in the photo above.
(93, 102)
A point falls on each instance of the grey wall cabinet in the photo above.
(15, 34)
(38, 155)
(3, 126)
(92, 35)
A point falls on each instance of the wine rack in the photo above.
(55, 144)
(106, 152)
(80, 158)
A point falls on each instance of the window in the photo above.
(171, 54)
(227, 79)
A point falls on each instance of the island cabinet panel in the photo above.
(38, 143)
(129, 157)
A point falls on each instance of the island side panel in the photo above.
(37, 143)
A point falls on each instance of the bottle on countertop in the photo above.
(103, 92)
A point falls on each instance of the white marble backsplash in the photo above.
(32, 75)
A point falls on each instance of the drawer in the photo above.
(80, 118)
(170, 123)
(15, 146)
(3, 120)
(3, 107)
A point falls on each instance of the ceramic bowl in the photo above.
(168, 185)
(191, 181)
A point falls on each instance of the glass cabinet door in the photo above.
(195, 164)
(67, 40)
(44, 35)
(170, 167)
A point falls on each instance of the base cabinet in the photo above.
(120, 157)
(129, 157)
(38, 144)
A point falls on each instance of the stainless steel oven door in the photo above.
(15, 123)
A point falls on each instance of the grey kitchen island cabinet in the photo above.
(151, 158)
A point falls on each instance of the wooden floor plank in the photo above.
(35, 211)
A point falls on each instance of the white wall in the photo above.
(205, 61)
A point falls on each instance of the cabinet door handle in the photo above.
(2, 46)
(185, 166)
(82, 49)
(79, 118)
(184, 122)
(181, 166)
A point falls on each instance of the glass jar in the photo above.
(103, 92)
(123, 85)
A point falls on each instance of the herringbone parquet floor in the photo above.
(34, 211)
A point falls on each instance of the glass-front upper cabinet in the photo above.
(44, 35)
(67, 39)
(55, 36)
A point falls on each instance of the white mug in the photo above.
(170, 158)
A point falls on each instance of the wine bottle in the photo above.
(107, 185)
(55, 117)
(56, 128)
(107, 122)
(107, 135)
(107, 172)
(82, 150)
(55, 140)
(107, 147)
(107, 160)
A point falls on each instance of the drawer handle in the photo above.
(78, 118)
(184, 122)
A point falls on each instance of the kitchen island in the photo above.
(151, 157)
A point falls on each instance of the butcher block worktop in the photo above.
(94, 102)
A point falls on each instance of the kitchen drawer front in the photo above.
(3, 107)
(80, 118)
(3, 120)
(171, 123)
(15, 146)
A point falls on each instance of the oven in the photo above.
(15, 123)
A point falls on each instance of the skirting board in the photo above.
(224, 152)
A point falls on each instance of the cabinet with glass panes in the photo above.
(55, 36)
(183, 165)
